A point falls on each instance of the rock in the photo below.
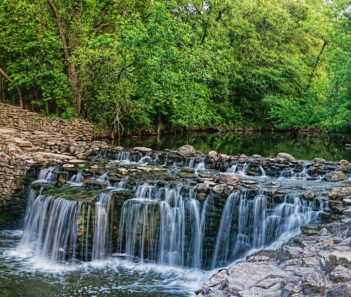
(186, 174)
(142, 149)
(341, 290)
(201, 196)
(336, 258)
(313, 283)
(203, 187)
(228, 178)
(340, 274)
(12, 149)
(335, 176)
(217, 278)
(319, 160)
(213, 155)
(285, 156)
(93, 183)
(245, 275)
(122, 171)
(343, 162)
(187, 169)
(186, 150)
(336, 193)
(224, 157)
(218, 188)
(309, 195)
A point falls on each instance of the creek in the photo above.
(142, 223)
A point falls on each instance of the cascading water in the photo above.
(50, 228)
(76, 180)
(165, 224)
(101, 227)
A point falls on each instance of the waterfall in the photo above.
(47, 175)
(101, 227)
(247, 224)
(51, 229)
(162, 225)
(76, 180)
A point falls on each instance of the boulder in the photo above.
(335, 176)
(186, 150)
(313, 283)
(213, 155)
(285, 156)
(341, 290)
(343, 162)
(340, 274)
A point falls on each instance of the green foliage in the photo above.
(142, 65)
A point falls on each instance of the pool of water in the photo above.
(302, 147)
(24, 275)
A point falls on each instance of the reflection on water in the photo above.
(22, 275)
(302, 147)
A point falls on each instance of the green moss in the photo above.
(88, 195)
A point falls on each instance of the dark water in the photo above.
(303, 147)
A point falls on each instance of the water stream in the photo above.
(163, 241)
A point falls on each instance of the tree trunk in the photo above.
(19, 92)
(68, 49)
(325, 43)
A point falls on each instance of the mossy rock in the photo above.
(121, 196)
(76, 194)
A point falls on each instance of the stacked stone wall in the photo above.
(25, 120)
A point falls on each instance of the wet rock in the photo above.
(186, 150)
(94, 183)
(310, 229)
(228, 178)
(335, 176)
(201, 196)
(341, 290)
(224, 157)
(186, 174)
(122, 171)
(313, 283)
(263, 256)
(285, 156)
(203, 187)
(339, 192)
(340, 274)
(218, 188)
(309, 195)
(187, 169)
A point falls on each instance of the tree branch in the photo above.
(17, 87)
(60, 27)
